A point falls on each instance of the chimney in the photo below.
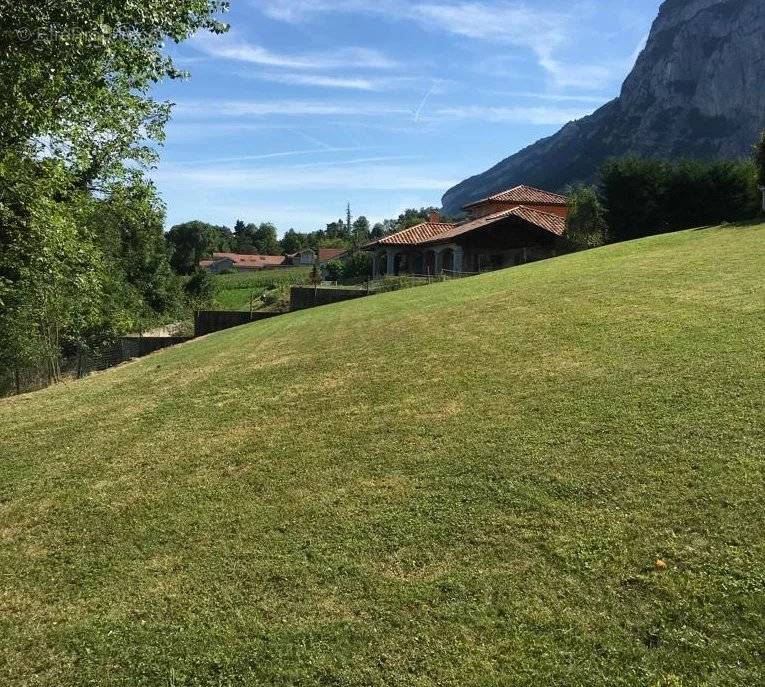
(434, 217)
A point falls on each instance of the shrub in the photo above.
(585, 224)
(644, 197)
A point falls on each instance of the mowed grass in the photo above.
(237, 291)
(462, 484)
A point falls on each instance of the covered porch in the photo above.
(472, 247)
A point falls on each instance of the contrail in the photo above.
(418, 111)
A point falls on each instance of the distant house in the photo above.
(305, 257)
(221, 262)
(507, 228)
(308, 256)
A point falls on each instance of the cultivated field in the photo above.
(468, 483)
(237, 290)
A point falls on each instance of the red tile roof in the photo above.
(330, 253)
(546, 221)
(415, 235)
(522, 194)
(432, 233)
(248, 261)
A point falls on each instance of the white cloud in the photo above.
(528, 115)
(271, 156)
(348, 82)
(541, 31)
(376, 174)
(231, 47)
(285, 108)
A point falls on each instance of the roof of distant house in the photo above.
(251, 261)
(523, 194)
(330, 253)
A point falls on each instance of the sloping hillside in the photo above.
(463, 484)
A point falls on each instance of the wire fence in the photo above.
(80, 364)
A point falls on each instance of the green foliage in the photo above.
(194, 241)
(200, 289)
(292, 242)
(253, 238)
(333, 270)
(644, 197)
(315, 277)
(759, 159)
(585, 224)
(357, 266)
(79, 75)
(52, 273)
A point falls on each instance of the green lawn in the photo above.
(235, 291)
(467, 483)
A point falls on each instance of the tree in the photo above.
(77, 76)
(265, 239)
(645, 197)
(338, 230)
(634, 195)
(361, 233)
(357, 266)
(585, 223)
(292, 242)
(128, 224)
(194, 241)
(333, 270)
(51, 271)
(759, 159)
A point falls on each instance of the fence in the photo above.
(209, 321)
(83, 363)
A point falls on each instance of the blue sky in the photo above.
(307, 105)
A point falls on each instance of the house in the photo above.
(308, 256)
(305, 257)
(222, 262)
(508, 228)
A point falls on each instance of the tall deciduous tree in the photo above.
(194, 241)
(77, 75)
(759, 159)
(585, 223)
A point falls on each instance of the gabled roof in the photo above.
(522, 194)
(330, 253)
(413, 236)
(251, 261)
(554, 224)
(429, 233)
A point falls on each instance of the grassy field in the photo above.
(468, 483)
(235, 291)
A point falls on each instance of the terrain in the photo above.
(550, 474)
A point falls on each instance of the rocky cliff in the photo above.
(697, 90)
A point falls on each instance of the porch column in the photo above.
(391, 267)
(439, 260)
(375, 266)
(457, 251)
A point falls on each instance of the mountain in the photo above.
(697, 90)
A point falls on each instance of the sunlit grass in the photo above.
(468, 483)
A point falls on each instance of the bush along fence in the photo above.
(83, 362)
